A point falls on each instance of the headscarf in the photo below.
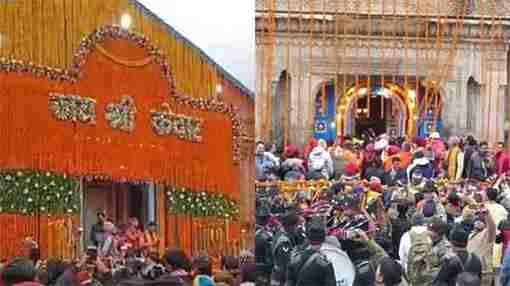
(454, 140)
(309, 147)
(351, 169)
(291, 151)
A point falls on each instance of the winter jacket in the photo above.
(468, 152)
(392, 177)
(265, 166)
(320, 161)
(422, 164)
(477, 167)
(454, 265)
(292, 169)
(502, 163)
(97, 234)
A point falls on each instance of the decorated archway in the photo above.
(404, 108)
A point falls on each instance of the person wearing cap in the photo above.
(283, 243)
(441, 247)
(438, 147)
(292, 168)
(420, 164)
(263, 239)
(460, 260)
(309, 267)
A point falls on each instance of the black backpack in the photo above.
(365, 274)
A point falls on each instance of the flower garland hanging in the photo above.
(89, 43)
(29, 192)
(202, 204)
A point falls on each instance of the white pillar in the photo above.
(151, 202)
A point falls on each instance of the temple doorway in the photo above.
(120, 201)
(384, 108)
(373, 118)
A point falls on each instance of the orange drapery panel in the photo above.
(54, 235)
(32, 138)
(192, 235)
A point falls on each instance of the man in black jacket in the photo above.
(309, 267)
(284, 242)
(263, 239)
(459, 261)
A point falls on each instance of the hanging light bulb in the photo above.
(125, 21)
(219, 89)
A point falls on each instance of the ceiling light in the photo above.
(125, 21)
(219, 88)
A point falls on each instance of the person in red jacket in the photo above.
(502, 160)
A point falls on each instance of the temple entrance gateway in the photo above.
(379, 113)
(387, 108)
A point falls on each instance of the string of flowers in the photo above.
(201, 204)
(89, 43)
(29, 192)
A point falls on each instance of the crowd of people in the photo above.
(125, 256)
(396, 211)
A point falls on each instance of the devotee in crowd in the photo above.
(502, 159)
(292, 167)
(320, 164)
(151, 238)
(265, 164)
(97, 230)
(422, 211)
(127, 257)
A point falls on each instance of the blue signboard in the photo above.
(325, 123)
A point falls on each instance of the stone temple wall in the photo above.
(479, 111)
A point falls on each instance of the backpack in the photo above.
(420, 260)
(365, 274)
